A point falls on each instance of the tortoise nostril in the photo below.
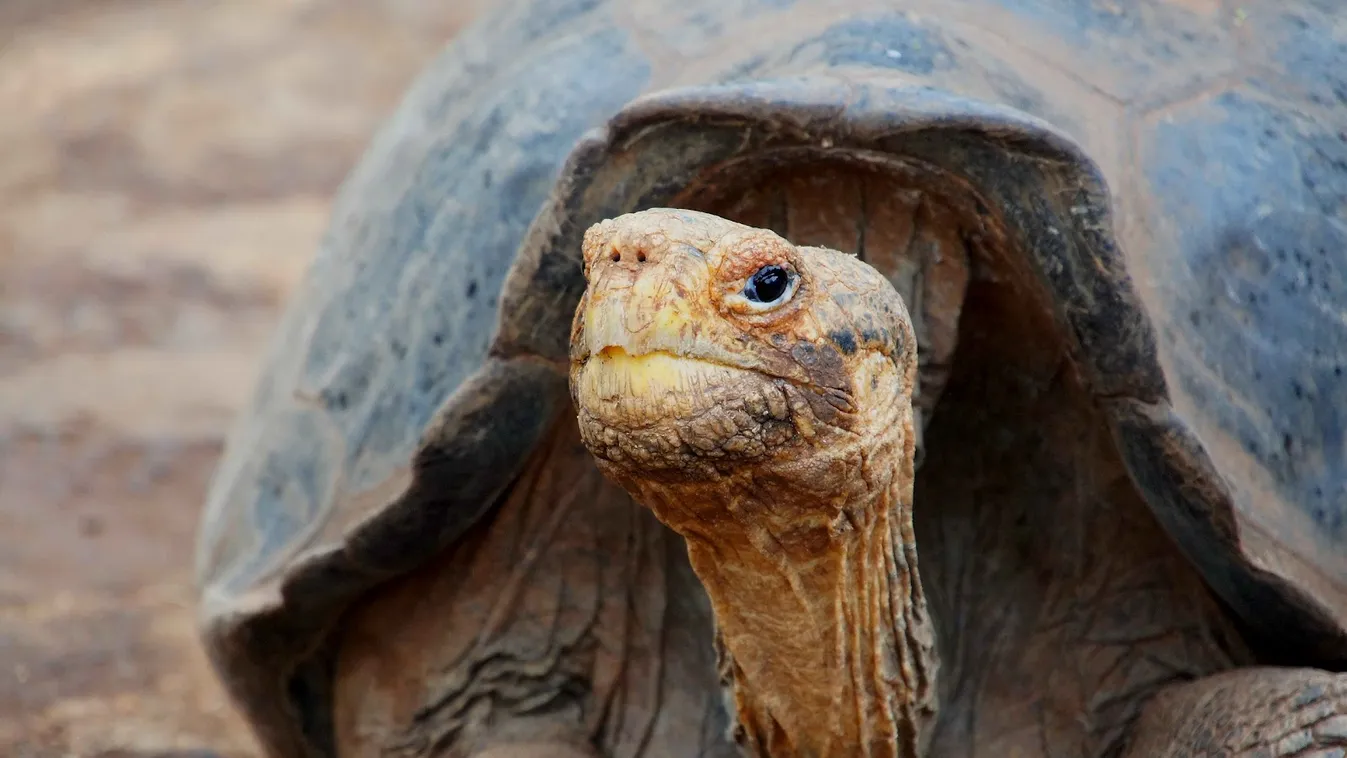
(640, 256)
(616, 256)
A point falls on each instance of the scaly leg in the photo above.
(1251, 712)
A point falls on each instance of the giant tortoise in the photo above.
(1113, 234)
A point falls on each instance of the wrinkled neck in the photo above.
(828, 643)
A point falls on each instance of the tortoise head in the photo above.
(757, 397)
(707, 354)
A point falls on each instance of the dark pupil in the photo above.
(767, 285)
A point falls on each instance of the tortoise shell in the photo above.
(1176, 170)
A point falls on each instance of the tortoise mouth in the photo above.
(651, 380)
(661, 411)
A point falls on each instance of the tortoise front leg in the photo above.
(1256, 712)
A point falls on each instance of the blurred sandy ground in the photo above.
(165, 173)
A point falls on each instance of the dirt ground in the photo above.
(165, 176)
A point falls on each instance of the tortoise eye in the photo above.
(769, 285)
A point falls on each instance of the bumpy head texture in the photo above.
(703, 347)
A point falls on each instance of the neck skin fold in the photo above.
(830, 655)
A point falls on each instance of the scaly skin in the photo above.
(778, 441)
